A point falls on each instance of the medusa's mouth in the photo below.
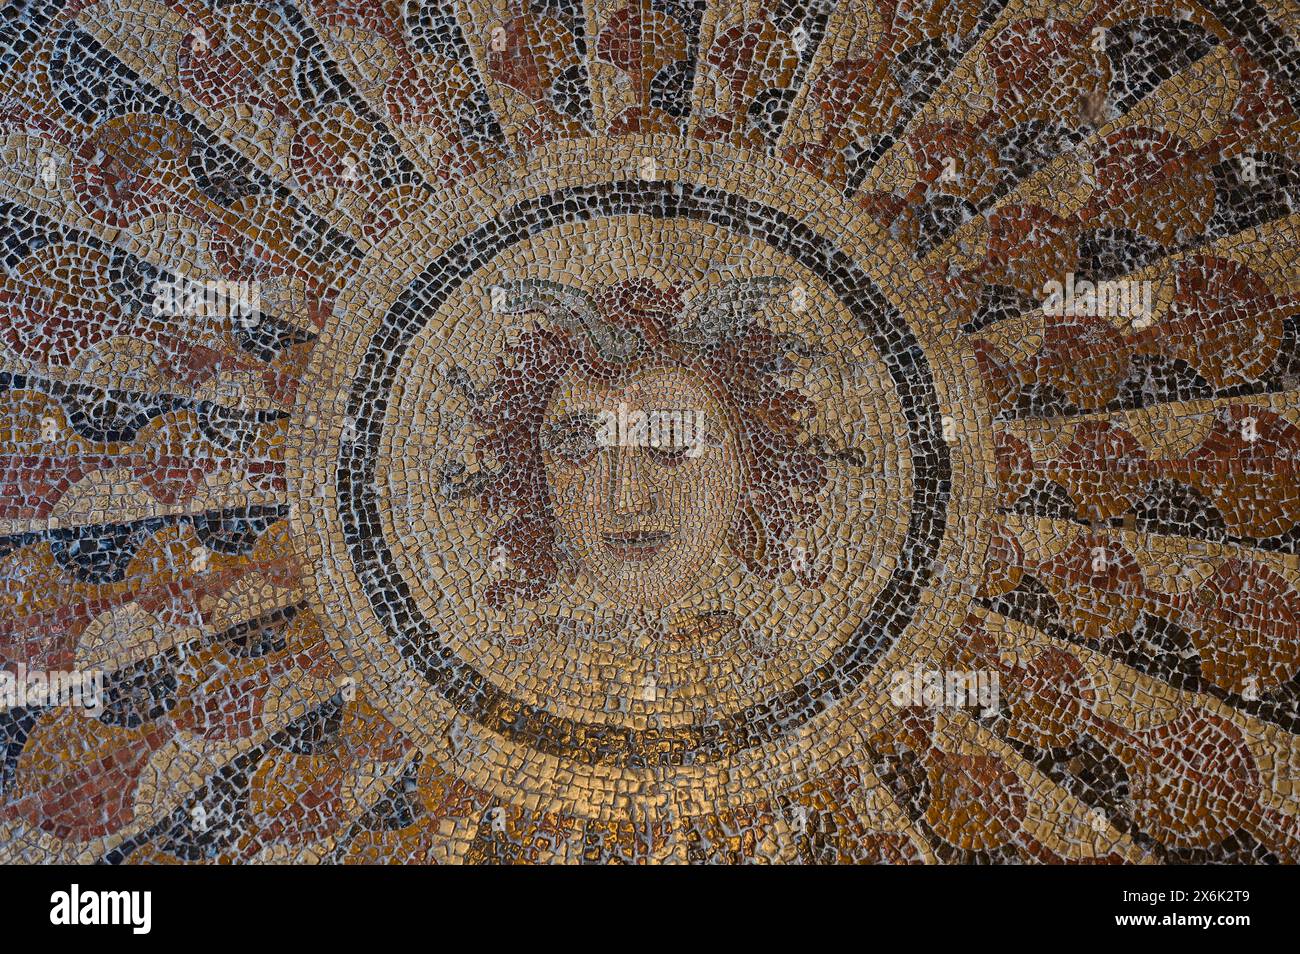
(636, 544)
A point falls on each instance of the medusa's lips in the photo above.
(636, 544)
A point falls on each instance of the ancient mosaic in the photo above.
(649, 431)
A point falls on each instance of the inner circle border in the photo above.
(472, 693)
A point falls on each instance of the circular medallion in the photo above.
(662, 502)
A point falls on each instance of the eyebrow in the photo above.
(576, 419)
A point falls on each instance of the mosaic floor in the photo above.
(531, 431)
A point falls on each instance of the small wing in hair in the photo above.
(569, 308)
(725, 312)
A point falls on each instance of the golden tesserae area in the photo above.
(650, 431)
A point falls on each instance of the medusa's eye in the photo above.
(573, 438)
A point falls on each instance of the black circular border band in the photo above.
(475, 695)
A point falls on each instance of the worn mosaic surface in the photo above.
(527, 431)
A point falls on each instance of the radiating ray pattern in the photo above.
(649, 431)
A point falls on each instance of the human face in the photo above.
(642, 520)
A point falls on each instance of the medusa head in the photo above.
(634, 435)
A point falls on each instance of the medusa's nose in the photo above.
(630, 492)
